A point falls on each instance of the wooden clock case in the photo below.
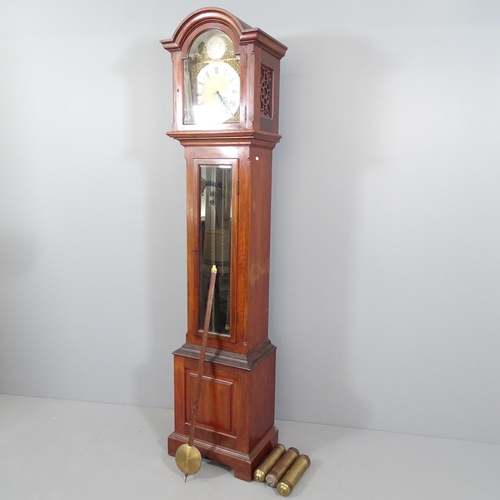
(235, 425)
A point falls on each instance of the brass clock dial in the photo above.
(211, 81)
(218, 93)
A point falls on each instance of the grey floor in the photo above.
(69, 450)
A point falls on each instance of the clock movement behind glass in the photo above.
(226, 107)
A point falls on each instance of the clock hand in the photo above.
(223, 100)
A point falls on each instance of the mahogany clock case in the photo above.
(235, 424)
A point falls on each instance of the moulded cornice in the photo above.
(203, 16)
(226, 138)
(245, 33)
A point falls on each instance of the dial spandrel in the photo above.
(211, 81)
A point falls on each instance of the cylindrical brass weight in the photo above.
(278, 471)
(268, 463)
(292, 476)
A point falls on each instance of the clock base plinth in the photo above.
(235, 418)
(242, 464)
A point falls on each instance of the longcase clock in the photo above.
(226, 103)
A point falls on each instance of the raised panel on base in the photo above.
(216, 408)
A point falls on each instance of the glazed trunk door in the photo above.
(213, 231)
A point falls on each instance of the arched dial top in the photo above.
(205, 17)
(211, 80)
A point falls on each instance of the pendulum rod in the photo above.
(203, 351)
(187, 456)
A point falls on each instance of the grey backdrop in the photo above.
(385, 282)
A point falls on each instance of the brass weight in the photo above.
(278, 471)
(292, 476)
(268, 463)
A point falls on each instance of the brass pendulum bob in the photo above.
(187, 456)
